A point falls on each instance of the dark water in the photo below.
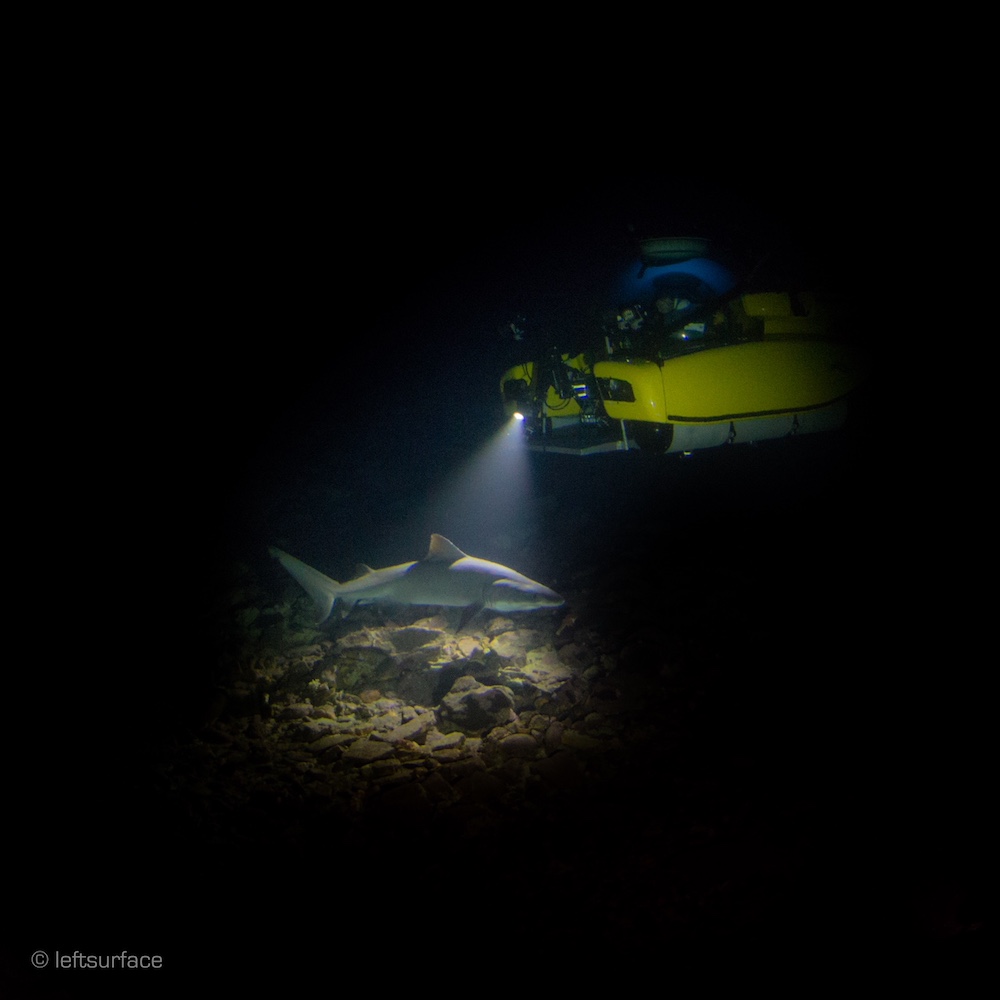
(328, 412)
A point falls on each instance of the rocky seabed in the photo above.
(368, 718)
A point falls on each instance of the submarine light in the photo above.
(489, 497)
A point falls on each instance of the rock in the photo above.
(519, 745)
(469, 647)
(443, 741)
(471, 707)
(554, 735)
(325, 742)
(437, 789)
(311, 653)
(415, 730)
(512, 647)
(542, 670)
(417, 686)
(405, 640)
(385, 723)
(300, 710)
(358, 667)
(577, 657)
(386, 773)
(499, 625)
(536, 722)
(579, 741)
(365, 751)
(384, 705)
(438, 622)
(309, 732)
(379, 639)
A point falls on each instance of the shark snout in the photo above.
(514, 595)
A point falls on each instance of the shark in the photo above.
(445, 577)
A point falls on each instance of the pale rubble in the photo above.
(411, 718)
(471, 707)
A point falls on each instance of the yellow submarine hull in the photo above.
(792, 379)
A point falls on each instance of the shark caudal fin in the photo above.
(320, 588)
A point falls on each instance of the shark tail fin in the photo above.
(320, 588)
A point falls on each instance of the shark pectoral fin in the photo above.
(468, 614)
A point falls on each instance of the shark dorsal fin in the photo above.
(442, 550)
(362, 569)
